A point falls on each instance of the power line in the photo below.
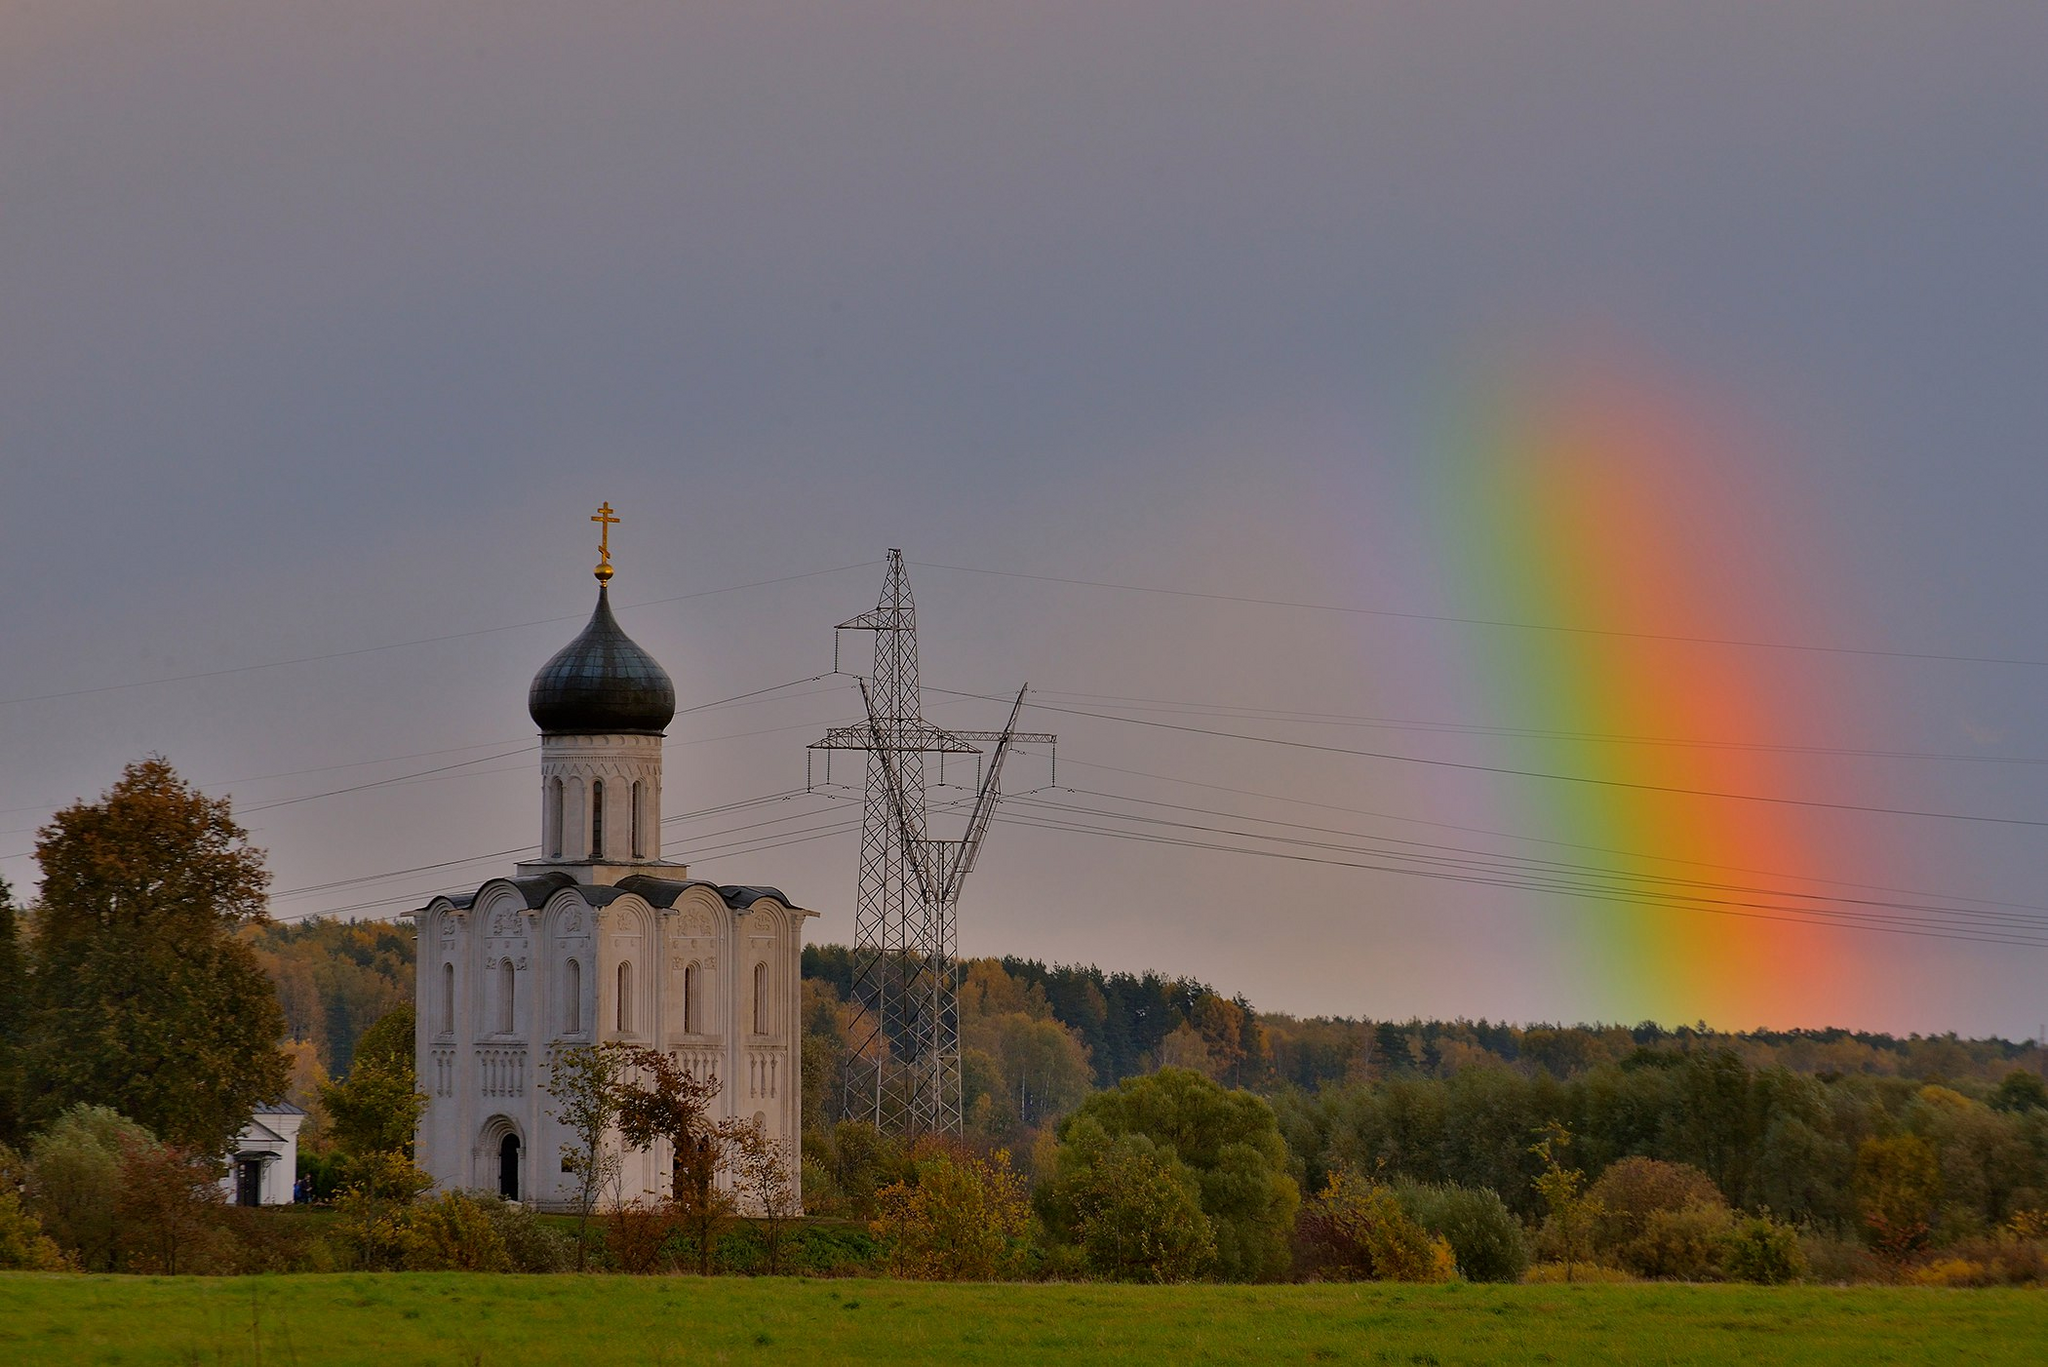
(1513, 884)
(1492, 622)
(1508, 771)
(1541, 840)
(1238, 712)
(1545, 869)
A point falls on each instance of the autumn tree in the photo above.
(659, 1099)
(1356, 1230)
(1573, 1210)
(377, 1107)
(165, 1203)
(765, 1173)
(962, 1218)
(143, 999)
(583, 1080)
(1898, 1184)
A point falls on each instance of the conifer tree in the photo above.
(13, 1014)
(142, 997)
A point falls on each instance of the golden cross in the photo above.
(605, 522)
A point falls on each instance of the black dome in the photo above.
(601, 683)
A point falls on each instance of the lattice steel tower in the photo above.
(904, 1075)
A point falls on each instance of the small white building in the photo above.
(263, 1166)
(600, 939)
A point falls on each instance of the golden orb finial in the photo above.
(605, 522)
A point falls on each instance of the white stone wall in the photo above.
(484, 1080)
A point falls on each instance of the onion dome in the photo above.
(602, 683)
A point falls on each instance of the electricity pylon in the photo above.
(904, 1075)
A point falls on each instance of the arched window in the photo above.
(554, 818)
(625, 1004)
(760, 999)
(505, 982)
(447, 999)
(638, 788)
(572, 1018)
(692, 1008)
(597, 818)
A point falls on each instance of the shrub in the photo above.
(23, 1245)
(531, 1245)
(962, 1220)
(1634, 1190)
(1488, 1241)
(636, 1233)
(1685, 1245)
(266, 1239)
(74, 1181)
(1760, 1249)
(454, 1233)
(1950, 1271)
(372, 1212)
(1838, 1261)
(1998, 1260)
(1356, 1230)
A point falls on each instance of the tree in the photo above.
(961, 1219)
(1229, 1140)
(2020, 1092)
(377, 1107)
(143, 999)
(1138, 1214)
(764, 1171)
(1898, 1183)
(13, 1016)
(1572, 1209)
(660, 1099)
(583, 1079)
(74, 1181)
(1356, 1230)
(165, 1202)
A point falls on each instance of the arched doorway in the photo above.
(508, 1167)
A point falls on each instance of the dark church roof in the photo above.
(659, 892)
(602, 683)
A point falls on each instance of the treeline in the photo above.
(335, 979)
(1124, 1025)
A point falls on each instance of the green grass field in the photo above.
(462, 1318)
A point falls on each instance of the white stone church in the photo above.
(599, 939)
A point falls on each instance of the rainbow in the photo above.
(1577, 499)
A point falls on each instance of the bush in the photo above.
(23, 1245)
(1632, 1191)
(1138, 1215)
(74, 1181)
(1992, 1260)
(962, 1220)
(1488, 1241)
(1356, 1230)
(1685, 1245)
(1760, 1249)
(531, 1244)
(454, 1233)
(1838, 1261)
(270, 1239)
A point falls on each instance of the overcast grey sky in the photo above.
(327, 325)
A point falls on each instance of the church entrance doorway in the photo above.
(508, 1167)
(248, 1181)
